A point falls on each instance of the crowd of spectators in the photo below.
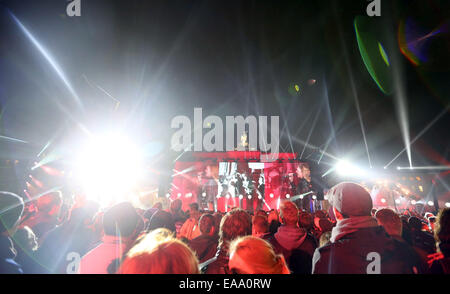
(352, 237)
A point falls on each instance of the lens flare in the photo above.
(109, 168)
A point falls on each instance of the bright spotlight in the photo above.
(314, 197)
(241, 197)
(288, 196)
(109, 168)
(250, 197)
(204, 194)
(179, 195)
(383, 200)
(259, 197)
(413, 202)
(271, 195)
(168, 195)
(447, 204)
(430, 203)
(344, 168)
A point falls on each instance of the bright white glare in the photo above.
(397, 201)
(447, 204)
(430, 203)
(383, 200)
(314, 197)
(288, 196)
(109, 168)
(344, 168)
(271, 195)
(250, 197)
(413, 202)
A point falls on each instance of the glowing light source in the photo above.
(271, 195)
(109, 168)
(413, 202)
(430, 203)
(259, 197)
(250, 197)
(314, 197)
(241, 197)
(447, 204)
(383, 200)
(288, 196)
(397, 201)
(344, 168)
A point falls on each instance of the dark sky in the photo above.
(163, 58)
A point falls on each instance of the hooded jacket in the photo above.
(367, 250)
(297, 247)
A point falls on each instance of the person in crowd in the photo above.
(322, 225)
(274, 221)
(69, 241)
(217, 219)
(260, 227)
(25, 244)
(161, 219)
(440, 263)
(431, 223)
(252, 255)
(159, 253)
(306, 221)
(236, 223)
(178, 216)
(205, 245)
(46, 218)
(149, 212)
(293, 242)
(261, 212)
(406, 229)
(422, 242)
(11, 209)
(120, 225)
(324, 238)
(357, 244)
(391, 222)
(190, 228)
(373, 212)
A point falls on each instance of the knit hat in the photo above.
(350, 199)
(11, 209)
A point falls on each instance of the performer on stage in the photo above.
(210, 188)
(304, 186)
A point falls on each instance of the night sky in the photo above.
(163, 58)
